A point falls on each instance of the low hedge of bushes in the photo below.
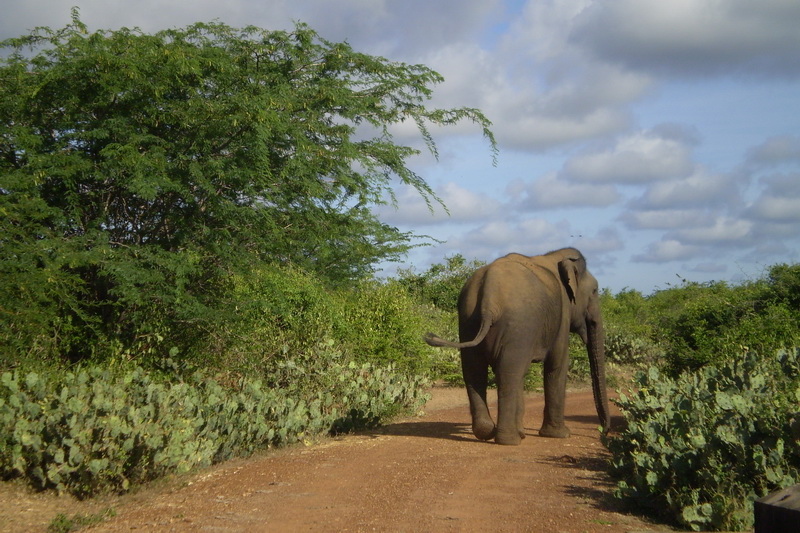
(93, 430)
(698, 449)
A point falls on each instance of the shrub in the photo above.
(441, 284)
(383, 324)
(701, 447)
(285, 311)
(131, 196)
(626, 348)
(701, 324)
(93, 430)
(279, 310)
(629, 330)
(783, 284)
(445, 363)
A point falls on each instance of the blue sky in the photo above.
(660, 138)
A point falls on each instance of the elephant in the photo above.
(517, 310)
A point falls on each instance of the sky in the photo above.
(662, 139)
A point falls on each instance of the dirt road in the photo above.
(422, 474)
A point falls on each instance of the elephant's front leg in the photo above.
(555, 388)
(476, 376)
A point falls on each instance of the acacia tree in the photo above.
(138, 172)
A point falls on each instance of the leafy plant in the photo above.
(441, 284)
(140, 173)
(699, 448)
(382, 324)
(629, 328)
(92, 430)
(717, 320)
(64, 524)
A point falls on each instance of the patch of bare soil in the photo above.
(426, 473)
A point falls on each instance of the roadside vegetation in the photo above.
(712, 417)
(187, 259)
(187, 247)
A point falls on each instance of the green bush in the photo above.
(701, 324)
(445, 364)
(701, 447)
(383, 324)
(286, 311)
(441, 284)
(279, 310)
(629, 328)
(93, 430)
(783, 285)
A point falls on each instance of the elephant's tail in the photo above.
(435, 340)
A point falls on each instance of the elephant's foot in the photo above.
(484, 429)
(555, 432)
(509, 438)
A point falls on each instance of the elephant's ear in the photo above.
(568, 272)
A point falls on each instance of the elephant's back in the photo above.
(524, 297)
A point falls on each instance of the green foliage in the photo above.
(93, 430)
(437, 290)
(278, 310)
(445, 364)
(141, 173)
(441, 284)
(629, 330)
(692, 325)
(701, 447)
(706, 324)
(783, 285)
(283, 311)
(383, 324)
(64, 524)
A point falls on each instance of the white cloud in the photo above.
(694, 37)
(464, 206)
(665, 219)
(542, 29)
(557, 94)
(499, 237)
(529, 113)
(776, 150)
(701, 188)
(783, 184)
(777, 209)
(406, 30)
(710, 268)
(724, 230)
(523, 129)
(638, 158)
(779, 201)
(400, 30)
(607, 239)
(551, 192)
(668, 250)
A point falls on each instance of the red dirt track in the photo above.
(422, 474)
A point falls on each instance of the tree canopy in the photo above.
(139, 172)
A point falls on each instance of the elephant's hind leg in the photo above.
(476, 377)
(511, 408)
(555, 387)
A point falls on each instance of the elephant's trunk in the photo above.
(597, 361)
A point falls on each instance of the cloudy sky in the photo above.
(660, 138)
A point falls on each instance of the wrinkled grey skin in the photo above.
(520, 309)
